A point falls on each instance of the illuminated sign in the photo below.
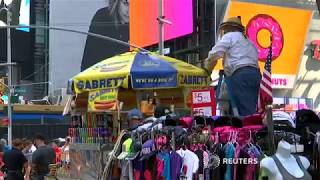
(282, 81)
(288, 28)
(20, 13)
(24, 18)
(144, 29)
(265, 22)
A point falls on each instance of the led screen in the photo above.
(20, 13)
(24, 18)
(144, 29)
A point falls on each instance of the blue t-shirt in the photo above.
(229, 152)
(175, 165)
(165, 157)
(7, 148)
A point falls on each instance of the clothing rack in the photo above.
(152, 133)
(190, 141)
(201, 145)
(270, 126)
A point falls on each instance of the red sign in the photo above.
(316, 50)
(4, 122)
(203, 102)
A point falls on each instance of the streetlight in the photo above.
(161, 21)
(9, 64)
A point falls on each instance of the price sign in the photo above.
(202, 111)
(203, 102)
(201, 97)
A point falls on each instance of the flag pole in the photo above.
(269, 119)
(270, 128)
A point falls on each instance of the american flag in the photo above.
(265, 93)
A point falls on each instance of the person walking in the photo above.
(65, 151)
(57, 151)
(15, 162)
(27, 152)
(240, 63)
(41, 159)
(4, 144)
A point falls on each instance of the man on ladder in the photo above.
(240, 62)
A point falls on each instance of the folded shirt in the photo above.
(282, 117)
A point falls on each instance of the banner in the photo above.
(102, 100)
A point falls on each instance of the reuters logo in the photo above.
(215, 161)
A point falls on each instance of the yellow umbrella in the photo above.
(140, 70)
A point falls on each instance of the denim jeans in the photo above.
(244, 85)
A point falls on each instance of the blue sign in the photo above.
(149, 71)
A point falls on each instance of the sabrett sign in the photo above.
(100, 84)
(194, 80)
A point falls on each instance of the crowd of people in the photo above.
(31, 159)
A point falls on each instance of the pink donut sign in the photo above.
(264, 21)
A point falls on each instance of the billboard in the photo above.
(20, 13)
(69, 53)
(144, 13)
(287, 26)
(22, 42)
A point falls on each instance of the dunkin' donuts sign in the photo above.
(288, 29)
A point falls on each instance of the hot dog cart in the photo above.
(102, 95)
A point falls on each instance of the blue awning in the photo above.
(35, 116)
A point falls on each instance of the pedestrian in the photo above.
(28, 151)
(4, 143)
(1, 160)
(15, 162)
(240, 63)
(135, 117)
(41, 159)
(57, 151)
(65, 155)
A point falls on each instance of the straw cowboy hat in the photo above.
(233, 22)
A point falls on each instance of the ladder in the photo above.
(228, 101)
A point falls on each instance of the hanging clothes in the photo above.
(190, 163)
(175, 165)
(236, 156)
(199, 153)
(229, 152)
(165, 157)
(217, 150)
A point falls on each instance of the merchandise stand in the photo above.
(127, 88)
(92, 139)
(93, 134)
